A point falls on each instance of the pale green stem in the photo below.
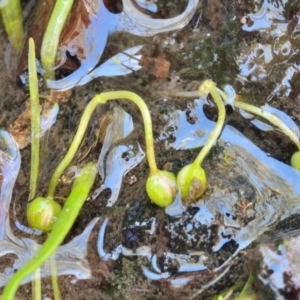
(13, 23)
(80, 190)
(245, 290)
(266, 115)
(51, 38)
(55, 286)
(208, 86)
(97, 100)
(36, 285)
(35, 120)
(270, 117)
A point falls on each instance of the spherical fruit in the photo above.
(42, 213)
(161, 188)
(191, 182)
(295, 160)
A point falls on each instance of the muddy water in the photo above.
(214, 45)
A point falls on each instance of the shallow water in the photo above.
(214, 45)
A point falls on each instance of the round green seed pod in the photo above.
(191, 182)
(161, 188)
(42, 213)
(295, 160)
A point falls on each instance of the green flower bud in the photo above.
(295, 160)
(161, 188)
(191, 182)
(42, 213)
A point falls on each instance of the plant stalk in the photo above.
(79, 193)
(35, 120)
(209, 86)
(51, 38)
(265, 115)
(13, 23)
(97, 100)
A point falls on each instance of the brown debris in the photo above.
(157, 66)
(21, 128)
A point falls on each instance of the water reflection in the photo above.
(278, 44)
(88, 37)
(249, 191)
(71, 257)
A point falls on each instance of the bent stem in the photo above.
(51, 38)
(97, 100)
(80, 190)
(209, 86)
(266, 115)
(35, 120)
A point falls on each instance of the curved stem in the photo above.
(97, 100)
(65, 221)
(266, 115)
(270, 117)
(35, 120)
(209, 86)
(51, 38)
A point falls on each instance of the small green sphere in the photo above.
(161, 188)
(295, 160)
(42, 213)
(191, 182)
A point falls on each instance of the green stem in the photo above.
(51, 38)
(266, 115)
(209, 86)
(245, 290)
(65, 221)
(37, 285)
(35, 120)
(97, 100)
(270, 117)
(12, 20)
(55, 286)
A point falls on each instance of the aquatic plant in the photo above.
(285, 125)
(295, 160)
(245, 293)
(91, 40)
(80, 190)
(12, 19)
(45, 213)
(41, 212)
(274, 116)
(34, 120)
(51, 38)
(191, 180)
(158, 180)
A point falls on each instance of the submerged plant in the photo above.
(12, 19)
(41, 212)
(80, 190)
(191, 180)
(34, 120)
(51, 38)
(272, 115)
(295, 160)
(264, 113)
(161, 185)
